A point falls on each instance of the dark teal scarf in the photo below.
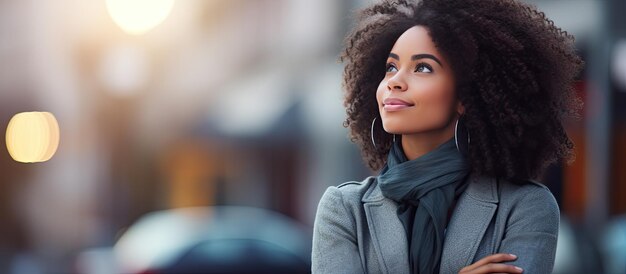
(425, 189)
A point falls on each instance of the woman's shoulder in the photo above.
(357, 187)
(343, 202)
(352, 190)
(524, 189)
(528, 197)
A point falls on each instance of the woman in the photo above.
(459, 104)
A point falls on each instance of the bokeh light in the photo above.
(139, 16)
(32, 137)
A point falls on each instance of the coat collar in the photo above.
(468, 224)
(386, 231)
(470, 220)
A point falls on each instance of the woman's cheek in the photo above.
(436, 104)
(380, 92)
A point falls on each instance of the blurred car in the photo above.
(218, 239)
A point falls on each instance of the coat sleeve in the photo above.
(335, 247)
(532, 231)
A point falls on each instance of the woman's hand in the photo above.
(492, 264)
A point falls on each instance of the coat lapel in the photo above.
(472, 215)
(386, 230)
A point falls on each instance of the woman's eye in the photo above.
(423, 67)
(391, 68)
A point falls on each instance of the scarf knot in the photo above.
(425, 189)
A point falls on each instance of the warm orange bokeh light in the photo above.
(32, 137)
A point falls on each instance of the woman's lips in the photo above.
(395, 104)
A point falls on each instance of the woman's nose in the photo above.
(396, 83)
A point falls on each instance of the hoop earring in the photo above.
(372, 131)
(462, 145)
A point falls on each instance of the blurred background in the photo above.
(197, 129)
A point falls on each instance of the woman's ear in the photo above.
(460, 108)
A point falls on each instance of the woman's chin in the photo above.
(393, 126)
(394, 130)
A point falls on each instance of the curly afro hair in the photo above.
(514, 72)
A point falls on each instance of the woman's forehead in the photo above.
(415, 40)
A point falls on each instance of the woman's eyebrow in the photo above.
(394, 56)
(424, 55)
(417, 56)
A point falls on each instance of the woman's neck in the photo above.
(416, 145)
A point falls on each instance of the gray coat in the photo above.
(357, 229)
